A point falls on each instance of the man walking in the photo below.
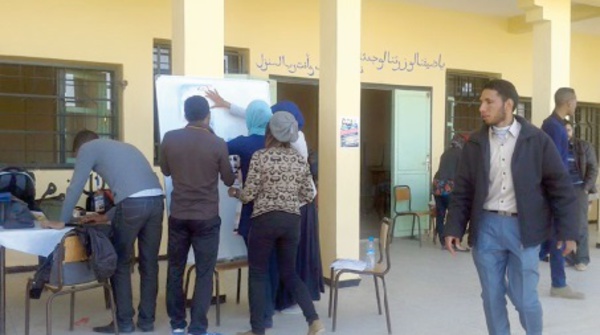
(194, 157)
(509, 180)
(138, 214)
(554, 125)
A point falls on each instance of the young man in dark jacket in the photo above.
(565, 102)
(510, 182)
(583, 169)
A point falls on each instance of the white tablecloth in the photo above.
(35, 241)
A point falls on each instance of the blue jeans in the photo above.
(141, 219)
(279, 231)
(557, 262)
(506, 268)
(203, 236)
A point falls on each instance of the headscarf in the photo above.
(258, 115)
(458, 140)
(288, 106)
(284, 127)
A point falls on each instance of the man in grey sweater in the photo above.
(137, 214)
(194, 157)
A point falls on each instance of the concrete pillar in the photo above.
(198, 37)
(551, 21)
(339, 96)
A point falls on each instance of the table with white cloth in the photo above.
(35, 241)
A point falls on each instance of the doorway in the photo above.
(395, 135)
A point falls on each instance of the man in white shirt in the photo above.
(510, 182)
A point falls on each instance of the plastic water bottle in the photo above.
(370, 259)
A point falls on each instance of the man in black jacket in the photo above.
(583, 169)
(510, 182)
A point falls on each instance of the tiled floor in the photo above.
(430, 293)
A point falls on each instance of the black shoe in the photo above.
(110, 329)
(145, 328)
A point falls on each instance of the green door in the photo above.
(411, 150)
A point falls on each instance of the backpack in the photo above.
(99, 248)
(14, 213)
(20, 183)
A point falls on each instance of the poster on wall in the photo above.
(349, 134)
(171, 93)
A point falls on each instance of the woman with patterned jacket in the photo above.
(278, 182)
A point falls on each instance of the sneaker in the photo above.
(580, 267)
(566, 292)
(178, 331)
(316, 327)
(295, 309)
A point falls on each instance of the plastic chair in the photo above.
(403, 198)
(221, 266)
(71, 272)
(381, 268)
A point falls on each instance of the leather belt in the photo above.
(504, 213)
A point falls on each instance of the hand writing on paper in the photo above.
(218, 100)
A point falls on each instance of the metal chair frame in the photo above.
(402, 193)
(66, 255)
(378, 272)
(221, 266)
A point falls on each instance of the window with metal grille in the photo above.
(42, 107)
(161, 55)
(236, 60)
(462, 102)
(587, 124)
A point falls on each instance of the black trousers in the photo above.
(279, 231)
(203, 237)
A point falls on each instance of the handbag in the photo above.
(442, 187)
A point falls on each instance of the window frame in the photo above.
(63, 151)
(471, 96)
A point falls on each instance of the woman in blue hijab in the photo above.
(257, 114)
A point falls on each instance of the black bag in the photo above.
(99, 248)
(20, 183)
(16, 215)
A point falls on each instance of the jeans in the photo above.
(141, 219)
(505, 267)
(557, 262)
(279, 231)
(441, 207)
(582, 255)
(203, 237)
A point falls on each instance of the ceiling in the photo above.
(505, 8)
